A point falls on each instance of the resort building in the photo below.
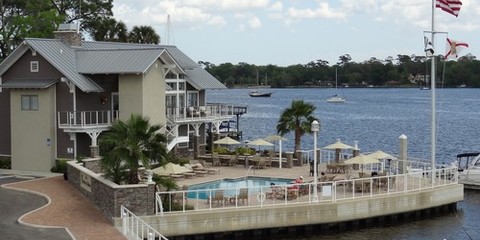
(58, 95)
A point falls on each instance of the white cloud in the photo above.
(254, 23)
(236, 5)
(277, 6)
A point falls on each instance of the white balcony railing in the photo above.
(86, 119)
(207, 112)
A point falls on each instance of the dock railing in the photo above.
(328, 191)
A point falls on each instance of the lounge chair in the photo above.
(199, 166)
(199, 172)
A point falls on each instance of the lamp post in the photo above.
(315, 127)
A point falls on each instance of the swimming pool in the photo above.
(232, 186)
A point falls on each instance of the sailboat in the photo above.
(336, 98)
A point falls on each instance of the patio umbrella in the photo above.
(338, 146)
(170, 168)
(362, 160)
(381, 155)
(259, 142)
(226, 141)
(278, 138)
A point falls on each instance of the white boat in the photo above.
(260, 94)
(469, 168)
(335, 98)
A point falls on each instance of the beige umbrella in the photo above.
(278, 138)
(226, 141)
(170, 168)
(362, 160)
(381, 155)
(338, 146)
(259, 142)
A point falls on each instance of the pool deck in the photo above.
(242, 171)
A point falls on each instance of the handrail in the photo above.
(135, 228)
(86, 118)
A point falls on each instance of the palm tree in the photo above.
(298, 118)
(143, 34)
(130, 144)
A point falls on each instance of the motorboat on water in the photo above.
(260, 94)
(336, 99)
(469, 168)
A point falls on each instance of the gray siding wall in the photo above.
(5, 137)
(21, 69)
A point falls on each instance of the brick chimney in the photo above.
(69, 34)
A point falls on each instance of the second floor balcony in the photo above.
(80, 121)
(209, 112)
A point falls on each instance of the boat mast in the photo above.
(432, 92)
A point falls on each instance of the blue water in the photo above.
(376, 118)
(233, 185)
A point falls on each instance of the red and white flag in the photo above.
(449, 6)
(454, 48)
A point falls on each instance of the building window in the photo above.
(29, 102)
(34, 66)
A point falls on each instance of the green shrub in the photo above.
(5, 162)
(60, 166)
(245, 151)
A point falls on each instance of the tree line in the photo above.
(20, 19)
(402, 71)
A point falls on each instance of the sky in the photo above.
(284, 33)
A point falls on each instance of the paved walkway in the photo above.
(66, 208)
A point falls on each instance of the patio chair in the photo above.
(192, 112)
(243, 195)
(268, 162)
(261, 163)
(233, 161)
(204, 111)
(219, 197)
(215, 159)
(199, 172)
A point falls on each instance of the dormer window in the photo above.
(34, 66)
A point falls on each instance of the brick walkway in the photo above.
(67, 208)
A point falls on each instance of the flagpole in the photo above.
(432, 92)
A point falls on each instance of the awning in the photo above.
(28, 83)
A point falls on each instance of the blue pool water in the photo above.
(232, 186)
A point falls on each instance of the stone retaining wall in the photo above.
(108, 196)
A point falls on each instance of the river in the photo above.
(376, 117)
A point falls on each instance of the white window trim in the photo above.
(34, 67)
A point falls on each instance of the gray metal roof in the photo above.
(109, 58)
(62, 57)
(116, 60)
(12, 58)
(31, 83)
